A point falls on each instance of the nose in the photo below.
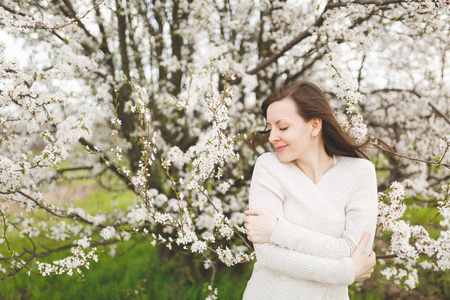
(273, 137)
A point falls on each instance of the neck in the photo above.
(315, 162)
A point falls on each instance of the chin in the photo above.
(284, 158)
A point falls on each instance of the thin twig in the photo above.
(74, 20)
(387, 256)
(14, 255)
(430, 162)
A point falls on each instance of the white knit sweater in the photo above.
(319, 226)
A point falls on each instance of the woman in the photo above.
(310, 203)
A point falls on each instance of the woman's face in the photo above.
(289, 133)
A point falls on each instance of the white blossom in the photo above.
(108, 233)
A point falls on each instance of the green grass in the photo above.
(366, 296)
(136, 274)
(422, 216)
(102, 200)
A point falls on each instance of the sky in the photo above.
(14, 48)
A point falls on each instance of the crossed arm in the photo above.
(307, 254)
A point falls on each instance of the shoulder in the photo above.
(356, 162)
(270, 173)
(356, 167)
(268, 158)
(268, 162)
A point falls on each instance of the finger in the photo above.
(250, 212)
(364, 241)
(249, 221)
(253, 211)
(366, 237)
(373, 258)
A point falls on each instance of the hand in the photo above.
(363, 264)
(260, 225)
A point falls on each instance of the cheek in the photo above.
(299, 140)
(295, 137)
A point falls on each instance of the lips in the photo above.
(281, 148)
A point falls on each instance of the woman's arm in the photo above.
(313, 268)
(305, 267)
(361, 213)
(360, 216)
(267, 195)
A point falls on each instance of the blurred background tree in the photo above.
(180, 82)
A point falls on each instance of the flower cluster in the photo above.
(391, 207)
(71, 263)
(347, 88)
(403, 277)
(411, 244)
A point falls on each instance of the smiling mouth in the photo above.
(281, 148)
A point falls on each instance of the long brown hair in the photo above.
(312, 103)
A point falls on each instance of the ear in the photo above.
(316, 126)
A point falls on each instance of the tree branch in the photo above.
(367, 2)
(319, 21)
(122, 29)
(386, 90)
(430, 162)
(303, 35)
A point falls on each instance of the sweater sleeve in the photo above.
(266, 193)
(305, 267)
(360, 216)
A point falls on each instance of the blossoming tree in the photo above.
(163, 93)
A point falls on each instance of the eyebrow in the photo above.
(267, 123)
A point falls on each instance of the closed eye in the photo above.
(284, 128)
